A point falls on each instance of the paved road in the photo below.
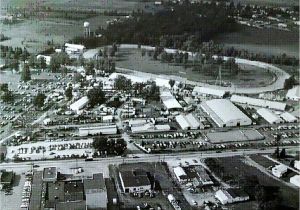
(102, 162)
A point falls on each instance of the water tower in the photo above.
(87, 30)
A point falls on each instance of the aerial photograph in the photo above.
(149, 105)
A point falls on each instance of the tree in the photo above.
(68, 93)
(4, 87)
(32, 61)
(109, 146)
(122, 83)
(267, 197)
(7, 97)
(172, 82)
(282, 153)
(89, 69)
(289, 83)
(77, 77)
(39, 100)
(26, 75)
(42, 63)
(96, 96)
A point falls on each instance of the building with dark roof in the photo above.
(50, 174)
(95, 192)
(135, 181)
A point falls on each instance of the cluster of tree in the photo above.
(26, 75)
(39, 100)
(33, 62)
(109, 146)
(7, 96)
(58, 60)
(3, 37)
(13, 56)
(282, 59)
(122, 83)
(177, 58)
(280, 154)
(150, 91)
(96, 96)
(177, 27)
(290, 82)
(69, 92)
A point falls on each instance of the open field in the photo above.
(247, 77)
(34, 34)
(99, 5)
(268, 41)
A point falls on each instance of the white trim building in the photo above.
(269, 116)
(294, 93)
(135, 181)
(180, 174)
(79, 104)
(288, 117)
(279, 170)
(225, 114)
(187, 122)
(295, 180)
(258, 102)
(205, 91)
(104, 129)
(231, 195)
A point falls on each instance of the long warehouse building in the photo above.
(258, 102)
(225, 114)
(269, 116)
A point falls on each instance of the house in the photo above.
(6, 178)
(45, 57)
(231, 195)
(50, 174)
(295, 180)
(95, 192)
(279, 170)
(169, 101)
(134, 181)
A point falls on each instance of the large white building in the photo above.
(205, 91)
(74, 49)
(231, 196)
(79, 104)
(288, 117)
(104, 129)
(224, 113)
(269, 116)
(294, 93)
(169, 101)
(188, 122)
(258, 102)
(180, 174)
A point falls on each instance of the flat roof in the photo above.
(130, 179)
(269, 116)
(50, 173)
(73, 205)
(97, 182)
(209, 91)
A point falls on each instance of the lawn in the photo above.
(249, 76)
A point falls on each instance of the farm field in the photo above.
(268, 41)
(248, 76)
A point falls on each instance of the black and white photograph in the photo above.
(149, 105)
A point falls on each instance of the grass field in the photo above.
(268, 41)
(249, 76)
